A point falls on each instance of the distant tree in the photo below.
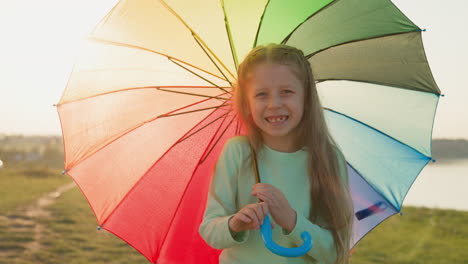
(53, 157)
(11, 155)
(450, 149)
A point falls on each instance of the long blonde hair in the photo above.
(330, 198)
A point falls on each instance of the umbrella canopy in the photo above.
(147, 108)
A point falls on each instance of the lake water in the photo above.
(443, 184)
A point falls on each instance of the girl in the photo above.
(304, 178)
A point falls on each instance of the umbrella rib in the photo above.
(432, 128)
(137, 88)
(211, 59)
(373, 229)
(196, 35)
(198, 75)
(308, 18)
(106, 17)
(114, 232)
(193, 94)
(190, 105)
(363, 39)
(328, 6)
(238, 127)
(220, 136)
(115, 43)
(189, 112)
(372, 186)
(260, 24)
(188, 86)
(375, 129)
(289, 35)
(203, 127)
(200, 41)
(412, 183)
(380, 83)
(427, 62)
(229, 35)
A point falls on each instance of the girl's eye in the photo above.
(287, 91)
(260, 94)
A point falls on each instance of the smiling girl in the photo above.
(304, 178)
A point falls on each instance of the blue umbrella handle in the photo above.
(265, 228)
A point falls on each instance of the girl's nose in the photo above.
(275, 101)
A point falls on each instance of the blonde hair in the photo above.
(329, 194)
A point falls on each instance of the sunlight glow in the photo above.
(40, 40)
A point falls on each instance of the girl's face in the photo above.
(276, 103)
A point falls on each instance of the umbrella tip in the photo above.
(423, 30)
(443, 95)
(99, 228)
(401, 213)
(433, 160)
(64, 171)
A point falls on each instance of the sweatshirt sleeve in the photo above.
(323, 247)
(221, 203)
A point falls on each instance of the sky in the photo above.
(40, 40)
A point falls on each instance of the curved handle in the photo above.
(282, 251)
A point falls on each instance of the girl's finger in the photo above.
(260, 213)
(264, 207)
(264, 198)
(263, 192)
(251, 213)
(264, 187)
(244, 218)
(259, 187)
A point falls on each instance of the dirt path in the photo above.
(23, 221)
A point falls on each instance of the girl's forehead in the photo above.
(272, 71)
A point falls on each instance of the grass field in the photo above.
(65, 231)
(72, 236)
(20, 186)
(421, 235)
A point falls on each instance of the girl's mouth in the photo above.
(276, 119)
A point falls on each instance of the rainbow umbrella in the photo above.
(147, 108)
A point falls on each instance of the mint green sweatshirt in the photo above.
(231, 190)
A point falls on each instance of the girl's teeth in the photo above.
(277, 119)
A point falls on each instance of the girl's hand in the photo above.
(249, 217)
(279, 207)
